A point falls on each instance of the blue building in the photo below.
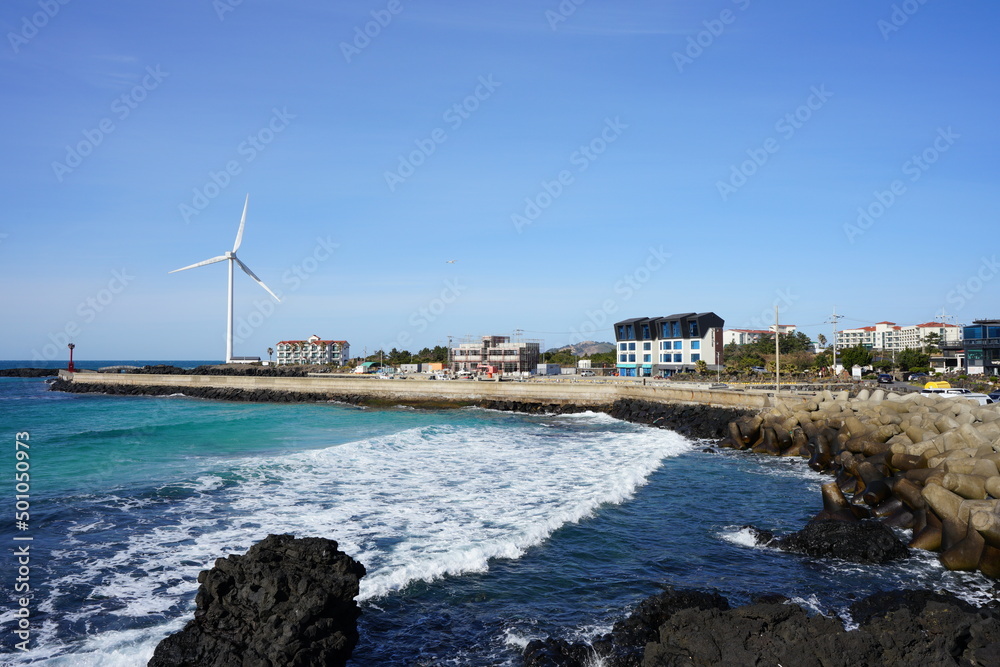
(648, 346)
(982, 347)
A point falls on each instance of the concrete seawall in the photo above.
(591, 394)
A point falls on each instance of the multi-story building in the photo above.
(500, 352)
(982, 347)
(648, 346)
(313, 351)
(749, 336)
(890, 336)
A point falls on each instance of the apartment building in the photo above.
(500, 352)
(890, 336)
(647, 346)
(313, 350)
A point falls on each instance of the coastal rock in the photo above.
(28, 372)
(287, 602)
(695, 421)
(908, 628)
(894, 628)
(855, 541)
(623, 646)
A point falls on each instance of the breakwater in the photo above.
(923, 463)
(407, 392)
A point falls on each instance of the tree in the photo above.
(910, 359)
(602, 359)
(701, 367)
(858, 355)
(821, 339)
(932, 343)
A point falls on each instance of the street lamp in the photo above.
(70, 367)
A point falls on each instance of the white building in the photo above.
(890, 336)
(748, 336)
(313, 351)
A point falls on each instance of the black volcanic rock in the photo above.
(28, 372)
(895, 628)
(623, 647)
(287, 602)
(855, 541)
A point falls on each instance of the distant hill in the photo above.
(586, 348)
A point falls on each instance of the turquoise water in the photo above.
(480, 530)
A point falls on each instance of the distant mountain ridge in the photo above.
(586, 348)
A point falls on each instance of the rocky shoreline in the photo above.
(906, 462)
(692, 420)
(922, 463)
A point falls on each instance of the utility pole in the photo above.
(834, 319)
(777, 353)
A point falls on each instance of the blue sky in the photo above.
(583, 162)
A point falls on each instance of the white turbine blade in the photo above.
(259, 281)
(243, 221)
(207, 261)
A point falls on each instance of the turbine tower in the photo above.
(233, 259)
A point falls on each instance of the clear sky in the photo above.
(581, 162)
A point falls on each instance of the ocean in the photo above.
(480, 530)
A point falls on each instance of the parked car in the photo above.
(995, 395)
(758, 369)
(586, 374)
(957, 392)
(915, 376)
(885, 378)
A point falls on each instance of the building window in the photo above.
(665, 345)
(678, 345)
(677, 358)
(696, 345)
(675, 329)
(695, 357)
(647, 346)
(664, 358)
(665, 330)
(622, 358)
(645, 332)
(623, 346)
(621, 332)
(631, 346)
(693, 329)
(647, 358)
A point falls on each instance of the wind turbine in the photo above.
(233, 259)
